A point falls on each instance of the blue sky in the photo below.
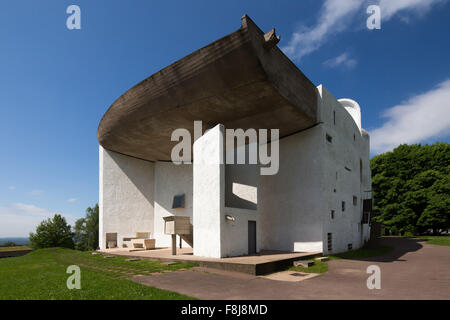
(55, 83)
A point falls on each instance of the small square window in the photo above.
(178, 201)
(343, 206)
(329, 138)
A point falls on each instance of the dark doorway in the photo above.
(251, 237)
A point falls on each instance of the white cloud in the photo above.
(390, 7)
(343, 60)
(422, 117)
(30, 209)
(36, 192)
(71, 200)
(12, 188)
(335, 16)
(19, 219)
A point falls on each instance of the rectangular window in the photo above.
(329, 138)
(332, 214)
(355, 200)
(349, 246)
(343, 206)
(330, 244)
(360, 170)
(334, 117)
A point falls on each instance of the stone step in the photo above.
(304, 263)
(322, 259)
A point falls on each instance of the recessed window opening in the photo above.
(360, 170)
(350, 246)
(329, 138)
(332, 214)
(334, 117)
(355, 200)
(343, 206)
(330, 244)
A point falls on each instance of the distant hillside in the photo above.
(19, 241)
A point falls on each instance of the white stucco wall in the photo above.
(209, 193)
(241, 180)
(235, 233)
(171, 180)
(290, 203)
(126, 195)
(215, 236)
(341, 173)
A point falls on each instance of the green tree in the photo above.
(86, 230)
(411, 187)
(53, 232)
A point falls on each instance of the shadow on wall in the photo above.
(129, 169)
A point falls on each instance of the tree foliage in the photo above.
(86, 230)
(411, 188)
(53, 232)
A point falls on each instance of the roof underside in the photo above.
(242, 80)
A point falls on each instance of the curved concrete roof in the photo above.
(242, 80)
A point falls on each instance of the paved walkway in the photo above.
(413, 270)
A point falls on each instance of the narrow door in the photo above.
(251, 237)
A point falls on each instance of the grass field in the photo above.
(41, 274)
(438, 240)
(15, 248)
(321, 267)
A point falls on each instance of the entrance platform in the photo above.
(263, 263)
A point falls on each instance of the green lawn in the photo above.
(438, 240)
(41, 274)
(14, 248)
(321, 267)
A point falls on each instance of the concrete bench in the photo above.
(146, 244)
(127, 242)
